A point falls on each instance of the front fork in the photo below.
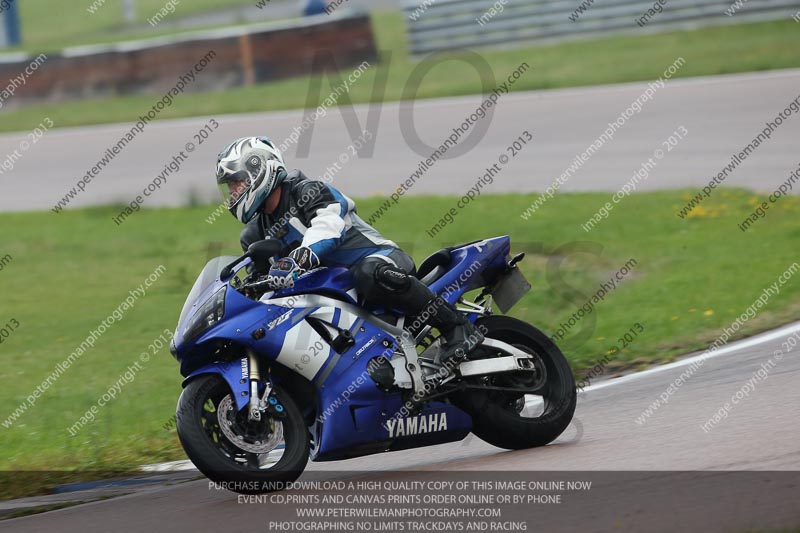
(258, 405)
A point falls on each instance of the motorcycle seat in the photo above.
(434, 266)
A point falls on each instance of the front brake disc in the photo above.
(226, 415)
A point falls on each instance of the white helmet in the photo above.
(248, 170)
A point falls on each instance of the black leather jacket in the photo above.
(314, 214)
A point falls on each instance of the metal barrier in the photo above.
(435, 25)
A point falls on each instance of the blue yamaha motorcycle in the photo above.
(273, 378)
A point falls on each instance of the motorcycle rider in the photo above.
(318, 226)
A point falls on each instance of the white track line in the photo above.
(730, 348)
(172, 466)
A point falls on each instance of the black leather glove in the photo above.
(305, 258)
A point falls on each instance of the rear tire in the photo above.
(497, 416)
(222, 460)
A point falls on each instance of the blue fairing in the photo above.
(235, 373)
(335, 281)
(353, 416)
(469, 266)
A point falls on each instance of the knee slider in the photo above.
(392, 279)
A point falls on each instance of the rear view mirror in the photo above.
(262, 251)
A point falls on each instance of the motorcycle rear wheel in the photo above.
(245, 456)
(505, 419)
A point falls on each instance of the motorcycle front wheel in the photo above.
(241, 455)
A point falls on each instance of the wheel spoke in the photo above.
(253, 460)
(543, 390)
(210, 418)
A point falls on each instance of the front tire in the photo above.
(242, 456)
(498, 416)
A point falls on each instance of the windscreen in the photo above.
(206, 278)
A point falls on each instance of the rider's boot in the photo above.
(460, 335)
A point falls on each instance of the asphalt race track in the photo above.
(671, 474)
(722, 115)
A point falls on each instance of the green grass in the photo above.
(53, 24)
(727, 49)
(693, 278)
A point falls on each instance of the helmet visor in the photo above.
(233, 190)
